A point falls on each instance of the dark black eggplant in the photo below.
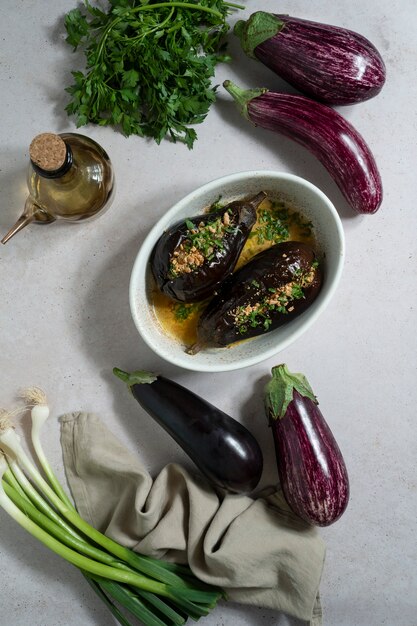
(195, 255)
(273, 288)
(223, 449)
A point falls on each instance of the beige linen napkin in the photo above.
(255, 549)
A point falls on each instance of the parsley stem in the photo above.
(155, 28)
(151, 7)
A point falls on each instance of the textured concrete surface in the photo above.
(65, 319)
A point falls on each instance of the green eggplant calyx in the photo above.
(243, 96)
(260, 27)
(280, 389)
(140, 377)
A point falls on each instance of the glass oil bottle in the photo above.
(70, 177)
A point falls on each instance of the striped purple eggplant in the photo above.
(331, 64)
(323, 131)
(311, 468)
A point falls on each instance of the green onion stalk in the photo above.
(157, 593)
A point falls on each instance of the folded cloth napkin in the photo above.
(257, 550)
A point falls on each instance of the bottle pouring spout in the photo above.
(31, 213)
(23, 221)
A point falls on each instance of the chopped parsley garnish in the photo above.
(277, 299)
(274, 224)
(207, 237)
(201, 243)
(216, 205)
(189, 224)
(183, 311)
(297, 292)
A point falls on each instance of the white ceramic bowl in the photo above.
(307, 198)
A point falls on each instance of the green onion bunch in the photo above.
(157, 593)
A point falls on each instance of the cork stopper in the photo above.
(48, 152)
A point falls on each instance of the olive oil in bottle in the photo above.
(70, 177)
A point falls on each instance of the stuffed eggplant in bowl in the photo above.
(236, 271)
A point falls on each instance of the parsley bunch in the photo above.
(148, 65)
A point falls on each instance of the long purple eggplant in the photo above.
(225, 452)
(331, 64)
(323, 131)
(311, 468)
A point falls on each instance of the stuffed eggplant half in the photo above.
(274, 287)
(192, 258)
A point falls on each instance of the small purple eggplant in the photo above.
(328, 63)
(325, 133)
(311, 468)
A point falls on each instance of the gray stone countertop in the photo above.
(65, 319)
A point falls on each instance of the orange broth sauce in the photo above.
(180, 320)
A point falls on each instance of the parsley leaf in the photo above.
(183, 311)
(149, 65)
(275, 222)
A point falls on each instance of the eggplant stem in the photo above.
(243, 96)
(196, 347)
(280, 389)
(260, 27)
(124, 376)
(139, 377)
